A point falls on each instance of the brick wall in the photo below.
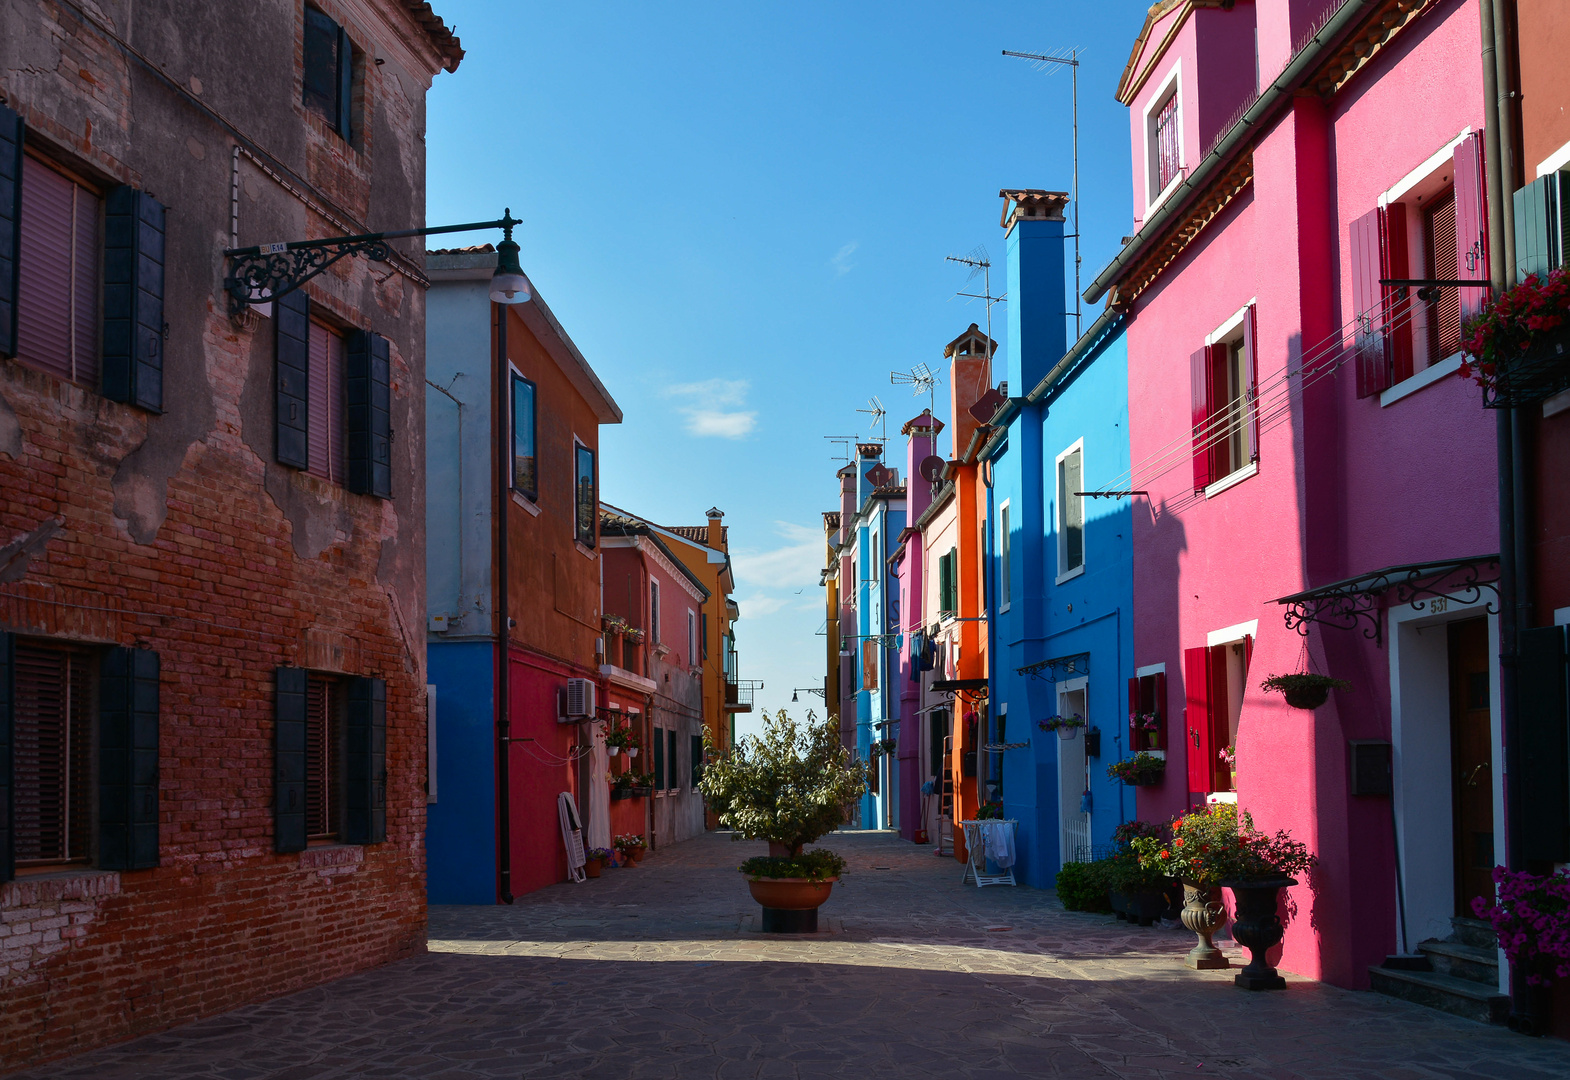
(180, 533)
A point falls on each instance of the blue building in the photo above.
(1060, 564)
(873, 535)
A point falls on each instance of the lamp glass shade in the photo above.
(508, 285)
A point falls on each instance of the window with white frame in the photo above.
(1225, 381)
(1071, 512)
(1005, 563)
(654, 612)
(692, 640)
(1164, 137)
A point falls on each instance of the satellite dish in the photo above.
(985, 409)
(931, 468)
(879, 475)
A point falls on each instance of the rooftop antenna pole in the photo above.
(1071, 61)
(979, 263)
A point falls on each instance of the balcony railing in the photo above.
(739, 694)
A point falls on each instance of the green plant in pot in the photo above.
(1261, 866)
(1304, 690)
(788, 786)
(1141, 770)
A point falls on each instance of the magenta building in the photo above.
(1315, 488)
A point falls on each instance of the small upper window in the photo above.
(1005, 562)
(524, 476)
(1071, 512)
(587, 500)
(1166, 143)
(329, 70)
(57, 316)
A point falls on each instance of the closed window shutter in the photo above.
(365, 763)
(1135, 736)
(7, 723)
(672, 770)
(345, 83)
(1471, 255)
(695, 748)
(1543, 723)
(1397, 309)
(659, 759)
(369, 425)
(1373, 359)
(1197, 692)
(128, 760)
(1158, 705)
(292, 379)
(133, 355)
(1536, 232)
(325, 437)
(1199, 412)
(58, 277)
(12, 135)
(289, 733)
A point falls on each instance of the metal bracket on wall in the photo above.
(1357, 603)
(1059, 667)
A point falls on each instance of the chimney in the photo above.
(970, 376)
(847, 477)
(868, 456)
(1038, 329)
(716, 538)
(922, 433)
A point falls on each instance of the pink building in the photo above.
(1297, 431)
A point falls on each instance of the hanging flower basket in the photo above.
(1518, 348)
(1304, 690)
(1067, 727)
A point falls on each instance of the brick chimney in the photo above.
(1038, 328)
(922, 433)
(970, 376)
(716, 538)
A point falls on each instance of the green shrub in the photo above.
(1083, 886)
(817, 864)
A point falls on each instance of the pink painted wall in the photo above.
(1344, 486)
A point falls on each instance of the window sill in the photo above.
(526, 503)
(329, 854)
(1427, 377)
(1557, 404)
(1069, 575)
(1162, 195)
(1232, 479)
(1214, 797)
(46, 885)
(585, 550)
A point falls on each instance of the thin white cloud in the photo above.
(759, 605)
(706, 413)
(793, 565)
(841, 260)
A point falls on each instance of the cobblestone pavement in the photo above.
(655, 971)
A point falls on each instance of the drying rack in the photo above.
(976, 852)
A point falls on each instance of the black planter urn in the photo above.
(1258, 929)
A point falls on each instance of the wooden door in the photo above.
(1471, 758)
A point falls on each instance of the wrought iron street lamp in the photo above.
(265, 272)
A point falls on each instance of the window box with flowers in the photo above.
(1141, 770)
(1518, 348)
(622, 738)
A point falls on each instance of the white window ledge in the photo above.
(1427, 377)
(585, 550)
(1172, 185)
(1221, 797)
(67, 883)
(528, 504)
(1232, 479)
(1069, 575)
(1557, 404)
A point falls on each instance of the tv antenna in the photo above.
(845, 443)
(919, 378)
(1068, 58)
(980, 265)
(876, 410)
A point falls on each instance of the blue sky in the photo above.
(740, 213)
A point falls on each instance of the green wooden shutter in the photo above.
(133, 349)
(289, 725)
(672, 769)
(292, 379)
(695, 748)
(1544, 760)
(345, 83)
(365, 763)
(128, 760)
(1536, 234)
(659, 759)
(7, 721)
(12, 132)
(369, 419)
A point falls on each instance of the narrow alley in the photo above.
(657, 971)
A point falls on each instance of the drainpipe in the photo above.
(1497, 152)
(503, 625)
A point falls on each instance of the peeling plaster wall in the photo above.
(181, 533)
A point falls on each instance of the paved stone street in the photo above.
(655, 971)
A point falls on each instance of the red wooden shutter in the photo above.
(1373, 359)
(1197, 691)
(1397, 309)
(1220, 712)
(1471, 243)
(1135, 739)
(1158, 705)
(1199, 375)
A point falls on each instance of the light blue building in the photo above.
(873, 535)
(1060, 564)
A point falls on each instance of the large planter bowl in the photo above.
(790, 905)
(1307, 697)
(1145, 906)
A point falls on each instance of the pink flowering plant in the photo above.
(1531, 916)
(1147, 721)
(1507, 326)
(1219, 844)
(1228, 757)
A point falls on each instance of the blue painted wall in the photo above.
(460, 830)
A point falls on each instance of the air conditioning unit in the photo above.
(580, 698)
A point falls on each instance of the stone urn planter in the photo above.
(790, 905)
(1204, 914)
(1258, 929)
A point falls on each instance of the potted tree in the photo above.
(788, 786)
(1304, 690)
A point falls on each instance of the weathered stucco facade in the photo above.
(178, 532)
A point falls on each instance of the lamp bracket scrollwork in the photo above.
(1358, 603)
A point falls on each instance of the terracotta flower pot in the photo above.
(1258, 929)
(791, 894)
(1204, 915)
(591, 867)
